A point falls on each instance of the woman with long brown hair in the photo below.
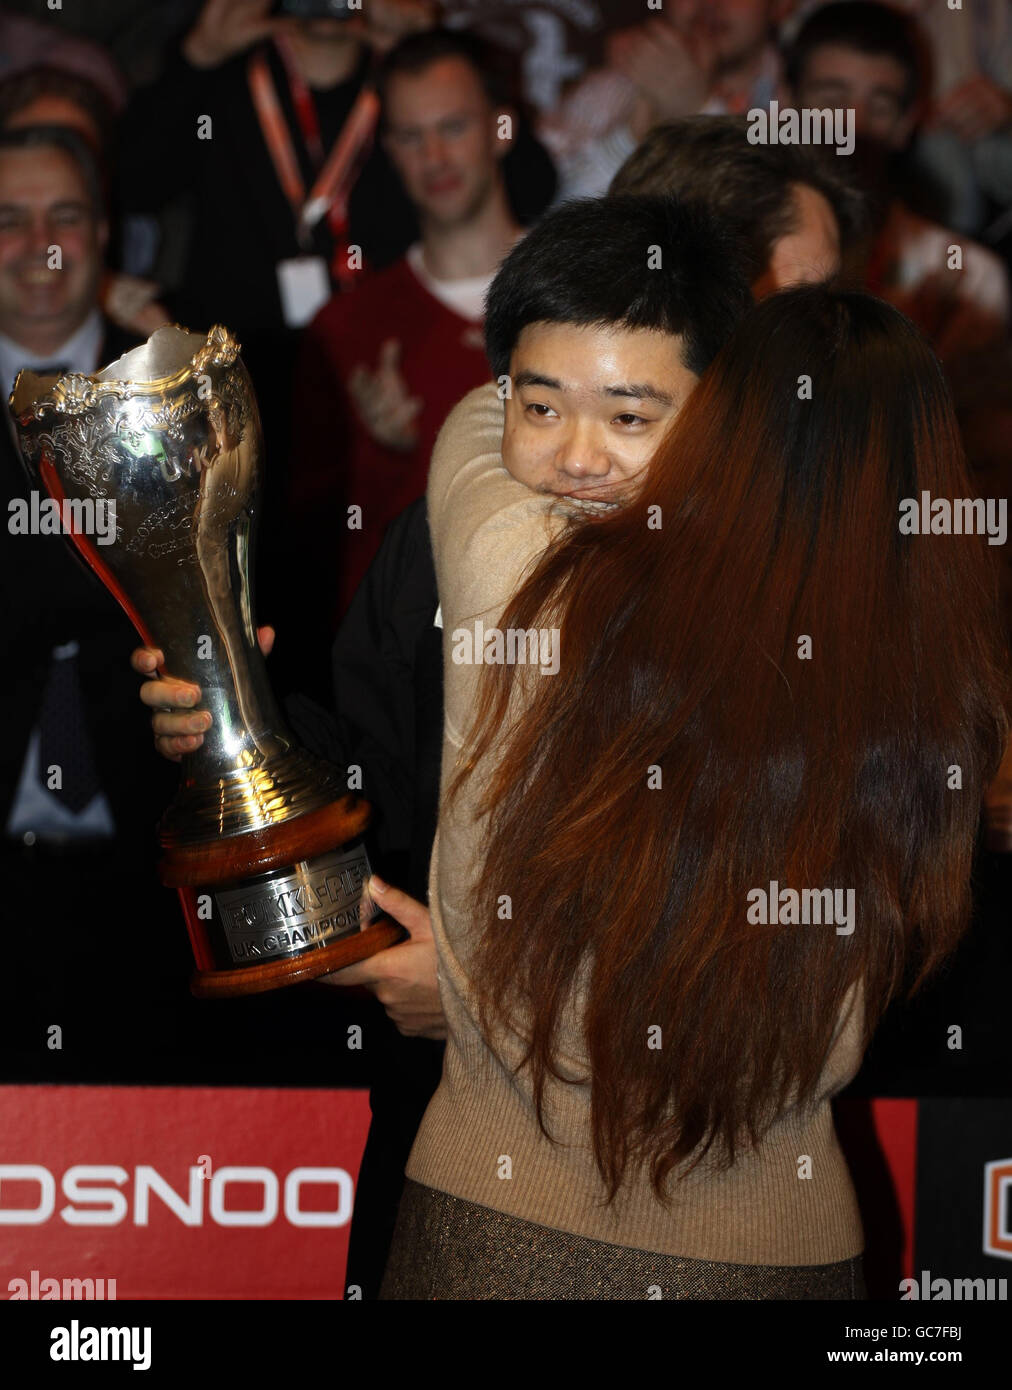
(676, 882)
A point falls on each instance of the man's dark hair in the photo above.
(495, 67)
(59, 137)
(623, 262)
(708, 160)
(867, 28)
(23, 88)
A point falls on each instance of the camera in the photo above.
(315, 9)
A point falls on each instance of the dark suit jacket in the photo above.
(51, 597)
(388, 700)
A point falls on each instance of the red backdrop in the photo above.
(180, 1192)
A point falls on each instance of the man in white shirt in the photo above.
(382, 366)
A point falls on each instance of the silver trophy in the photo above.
(263, 840)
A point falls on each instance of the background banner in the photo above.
(177, 1192)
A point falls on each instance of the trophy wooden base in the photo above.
(257, 979)
(260, 907)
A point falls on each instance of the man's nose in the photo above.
(581, 455)
(433, 147)
(39, 236)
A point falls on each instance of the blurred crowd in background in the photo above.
(337, 184)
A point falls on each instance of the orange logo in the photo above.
(998, 1208)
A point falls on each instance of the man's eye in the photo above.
(540, 410)
(630, 419)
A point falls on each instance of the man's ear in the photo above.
(505, 119)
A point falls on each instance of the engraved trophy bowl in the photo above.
(263, 841)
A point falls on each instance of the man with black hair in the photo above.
(599, 321)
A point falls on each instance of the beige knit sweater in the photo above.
(479, 1139)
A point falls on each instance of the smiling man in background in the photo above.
(70, 824)
(49, 197)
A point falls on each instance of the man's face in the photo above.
(737, 29)
(323, 30)
(441, 136)
(874, 85)
(44, 203)
(589, 407)
(810, 251)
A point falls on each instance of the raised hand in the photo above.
(383, 402)
(227, 27)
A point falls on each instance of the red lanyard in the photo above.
(305, 106)
(335, 179)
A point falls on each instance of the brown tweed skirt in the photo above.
(446, 1248)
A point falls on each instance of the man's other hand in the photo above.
(178, 727)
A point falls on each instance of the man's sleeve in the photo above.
(372, 725)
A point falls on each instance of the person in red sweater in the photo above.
(381, 367)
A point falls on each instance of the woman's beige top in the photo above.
(789, 1202)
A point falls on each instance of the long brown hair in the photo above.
(682, 652)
